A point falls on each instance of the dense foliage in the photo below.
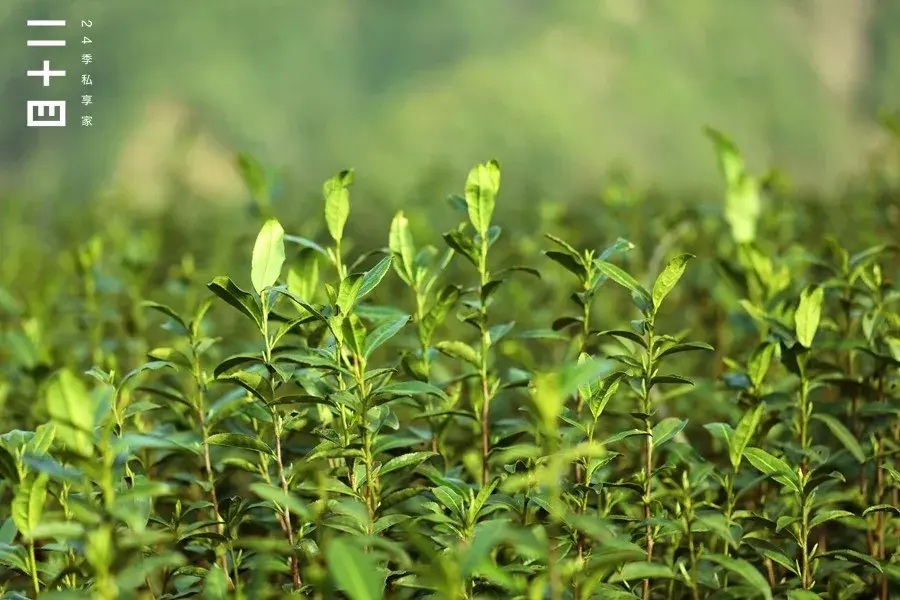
(431, 421)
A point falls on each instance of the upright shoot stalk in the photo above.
(278, 428)
(649, 369)
(483, 367)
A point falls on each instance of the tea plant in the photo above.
(378, 426)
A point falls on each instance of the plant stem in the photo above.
(365, 434)
(278, 428)
(648, 451)
(805, 415)
(32, 566)
(207, 462)
(880, 492)
(485, 392)
(286, 515)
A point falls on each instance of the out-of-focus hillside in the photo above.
(557, 91)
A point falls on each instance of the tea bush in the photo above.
(385, 425)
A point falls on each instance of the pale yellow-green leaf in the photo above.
(482, 187)
(268, 256)
(808, 315)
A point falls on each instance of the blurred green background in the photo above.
(412, 94)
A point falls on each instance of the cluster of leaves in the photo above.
(352, 448)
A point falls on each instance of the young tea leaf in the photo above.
(667, 429)
(461, 351)
(239, 440)
(482, 186)
(401, 244)
(744, 433)
(625, 280)
(28, 502)
(668, 278)
(843, 435)
(382, 334)
(268, 256)
(337, 203)
(809, 312)
(773, 467)
(745, 570)
(71, 410)
(225, 289)
(354, 572)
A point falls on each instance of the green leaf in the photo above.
(373, 276)
(570, 250)
(254, 177)
(773, 467)
(237, 360)
(268, 256)
(624, 279)
(348, 293)
(745, 570)
(239, 440)
(162, 308)
(573, 264)
(28, 502)
(894, 473)
(666, 429)
(637, 571)
(829, 515)
(622, 435)
(337, 203)
(486, 536)
(803, 595)
(666, 280)
(730, 160)
(303, 276)
(406, 460)
(685, 347)
(760, 361)
(744, 433)
(254, 383)
(675, 379)
(382, 334)
(277, 496)
(482, 187)
(881, 508)
(225, 289)
(306, 244)
(624, 334)
(853, 556)
(138, 573)
(598, 401)
(742, 201)
(401, 244)
(60, 530)
(459, 242)
(153, 365)
(719, 525)
(71, 410)
(742, 209)
(459, 350)
(215, 586)
(721, 431)
(809, 312)
(411, 388)
(843, 434)
(353, 571)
